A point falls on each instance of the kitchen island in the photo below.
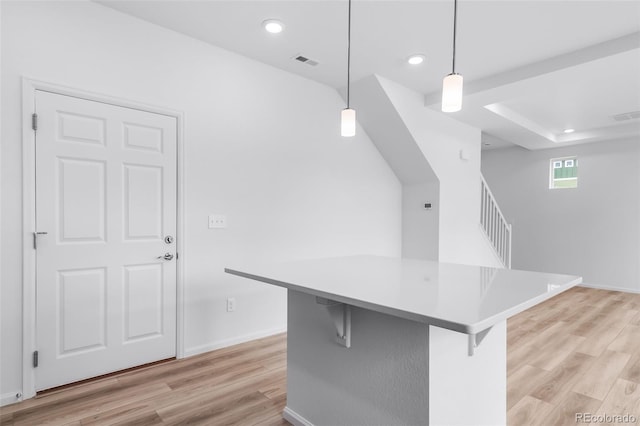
(389, 341)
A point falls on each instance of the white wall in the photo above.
(389, 133)
(592, 230)
(441, 140)
(261, 146)
(420, 227)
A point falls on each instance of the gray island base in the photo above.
(388, 341)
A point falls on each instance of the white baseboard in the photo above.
(196, 350)
(294, 418)
(611, 288)
(10, 398)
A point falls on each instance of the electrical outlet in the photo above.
(217, 221)
(231, 304)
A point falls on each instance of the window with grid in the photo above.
(563, 173)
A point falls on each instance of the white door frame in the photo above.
(29, 338)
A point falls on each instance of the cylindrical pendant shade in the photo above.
(452, 93)
(348, 125)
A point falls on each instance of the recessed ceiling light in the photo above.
(416, 59)
(569, 130)
(273, 26)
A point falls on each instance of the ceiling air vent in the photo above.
(626, 116)
(305, 60)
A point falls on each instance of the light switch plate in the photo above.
(217, 221)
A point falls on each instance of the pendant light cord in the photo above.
(349, 56)
(455, 20)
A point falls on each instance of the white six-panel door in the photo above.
(105, 202)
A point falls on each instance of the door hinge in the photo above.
(34, 121)
(35, 359)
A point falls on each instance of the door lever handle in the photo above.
(166, 256)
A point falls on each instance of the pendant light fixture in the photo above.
(348, 116)
(452, 83)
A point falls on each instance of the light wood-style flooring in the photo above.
(576, 353)
(239, 385)
(579, 352)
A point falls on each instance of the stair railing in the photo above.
(494, 225)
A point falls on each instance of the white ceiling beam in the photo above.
(577, 57)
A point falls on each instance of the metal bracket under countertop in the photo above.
(476, 339)
(340, 313)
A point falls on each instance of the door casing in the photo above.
(29, 342)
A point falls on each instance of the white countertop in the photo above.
(462, 298)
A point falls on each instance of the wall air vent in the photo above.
(305, 60)
(626, 116)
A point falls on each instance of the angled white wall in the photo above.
(420, 185)
(257, 149)
(433, 149)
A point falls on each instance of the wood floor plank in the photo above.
(556, 352)
(622, 400)
(520, 321)
(631, 371)
(275, 419)
(602, 334)
(216, 413)
(523, 381)
(216, 376)
(597, 381)
(133, 414)
(62, 396)
(275, 390)
(559, 382)
(586, 325)
(567, 410)
(529, 411)
(239, 415)
(215, 399)
(525, 351)
(84, 406)
(632, 300)
(274, 361)
(628, 341)
(204, 364)
(527, 331)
